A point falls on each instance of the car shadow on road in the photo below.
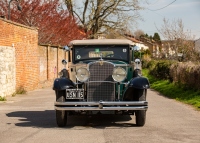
(101, 121)
(46, 119)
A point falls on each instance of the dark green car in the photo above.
(100, 77)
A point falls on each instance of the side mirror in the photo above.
(137, 64)
(137, 61)
(66, 48)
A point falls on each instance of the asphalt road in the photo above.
(30, 118)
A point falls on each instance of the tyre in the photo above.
(61, 115)
(140, 115)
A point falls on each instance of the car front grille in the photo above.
(100, 85)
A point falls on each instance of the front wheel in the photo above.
(140, 115)
(61, 115)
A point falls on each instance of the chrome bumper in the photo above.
(102, 105)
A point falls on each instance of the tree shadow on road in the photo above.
(46, 119)
(43, 119)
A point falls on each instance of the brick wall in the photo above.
(43, 64)
(50, 58)
(25, 41)
(7, 71)
(36, 65)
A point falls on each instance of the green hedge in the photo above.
(159, 69)
(187, 73)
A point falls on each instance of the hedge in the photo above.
(187, 74)
(182, 73)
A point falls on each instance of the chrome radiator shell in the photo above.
(101, 86)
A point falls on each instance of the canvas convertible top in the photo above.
(101, 42)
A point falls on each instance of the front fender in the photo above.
(136, 86)
(62, 84)
(139, 83)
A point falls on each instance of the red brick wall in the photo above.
(36, 66)
(43, 64)
(50, 58)
(25, 41)
(52, 63)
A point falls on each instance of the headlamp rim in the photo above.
(79, 78)
(123, 70)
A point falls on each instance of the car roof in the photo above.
(101, 42)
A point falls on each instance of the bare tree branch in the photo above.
(178, 40)
(84, 11)
(95, 14)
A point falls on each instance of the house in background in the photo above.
(168, 49)
(173, 49)
(138, 43)
(153, 46)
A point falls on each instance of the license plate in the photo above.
(74, 93)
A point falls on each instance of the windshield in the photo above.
(108, 52)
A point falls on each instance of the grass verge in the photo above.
(171, 90)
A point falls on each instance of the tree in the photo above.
(138, 33)
(55, 24)
(145, 36)
(178, 40)
(98, 16)
(156, 37)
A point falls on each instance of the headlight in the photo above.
(119, 74)
(82, 74)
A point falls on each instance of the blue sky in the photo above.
(187, 10)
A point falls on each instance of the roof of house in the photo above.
(133, 39)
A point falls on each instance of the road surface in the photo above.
(30, 118)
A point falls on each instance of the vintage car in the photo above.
(100, 77)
